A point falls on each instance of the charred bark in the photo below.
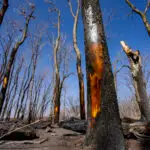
(104, 125)
(138, 79)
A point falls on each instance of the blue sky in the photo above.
(124, 25)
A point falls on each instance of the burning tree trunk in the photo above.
(104, 126)
(3, 10)
(56, 94)
(12, 58)
(78, 57)
(138, 79)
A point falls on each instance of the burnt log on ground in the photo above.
(42, 124)
(17, 131)
(138, 131)
(7, 126)
(74, 124)
(132, 129)
(21, 135)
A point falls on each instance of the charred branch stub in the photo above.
(138, 80)
(134, 59)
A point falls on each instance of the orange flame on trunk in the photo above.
(56, 109)
(95, 77)
(5, 82)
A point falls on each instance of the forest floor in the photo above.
(49, 137)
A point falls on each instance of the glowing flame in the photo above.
(5, 82)
(56, 109)
(95, 111)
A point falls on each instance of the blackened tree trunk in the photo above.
(11, 60)
(3, 10)
(78, 57)
(104, 125)
(138, 81)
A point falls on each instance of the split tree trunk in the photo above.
(104, 125)
(3, 10)
(138, 79)
(142, 15)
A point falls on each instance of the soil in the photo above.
(51, 137)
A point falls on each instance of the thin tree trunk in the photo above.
(56, 97)
(78, 62)
(139, 82)
(3, 10)
(104, 125)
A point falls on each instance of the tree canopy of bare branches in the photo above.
(12, 57)
(143, 15)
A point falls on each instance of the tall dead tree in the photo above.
(56, 94)
(143, 14)
(3, 10)
(138, 80)
(13, 55)
(78, 57)
(104, 125)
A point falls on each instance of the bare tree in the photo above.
(24, 86)
(56, 94)
(138, 80)
(6, 47)
(73, 107)
(45, 100)
(104, 126)
(12, 88)
(143, 15)
(12, 57)
(78, 57)
(3, 10)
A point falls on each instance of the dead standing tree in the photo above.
(56, 93)
(138, 80)
(3, 10)
(13, 55)
(143, 15)
(104, 125)
(78, 57)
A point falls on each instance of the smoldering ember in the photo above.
(74, 75)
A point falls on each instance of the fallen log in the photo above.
(10, 135)
(26, 141)
(137, 130)
(74, 124)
